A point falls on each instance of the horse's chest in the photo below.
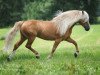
(46, 35)
(67, 34)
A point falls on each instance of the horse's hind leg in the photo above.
(29, 44)
(76, 46)
(22, 39)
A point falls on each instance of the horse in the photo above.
(58, 29)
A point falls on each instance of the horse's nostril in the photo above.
(87, 28)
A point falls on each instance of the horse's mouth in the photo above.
(87, 28)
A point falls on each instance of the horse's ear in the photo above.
(83, 12)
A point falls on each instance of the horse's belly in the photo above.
(47, 36)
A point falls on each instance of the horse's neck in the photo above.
(64, 25)
(65, 21)
(68, 17)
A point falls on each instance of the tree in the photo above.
(15, 10)
(10, 11)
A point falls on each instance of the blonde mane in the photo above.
(65, 20)
(59, 12)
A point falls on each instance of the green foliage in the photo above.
(15, 10)
(39, 9)
(10, 11)
(63, 61)
(45, 9)
(90, 6)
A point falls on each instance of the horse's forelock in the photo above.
(85, 16)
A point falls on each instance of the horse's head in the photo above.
(84, 21)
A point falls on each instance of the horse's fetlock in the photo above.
(28, 46)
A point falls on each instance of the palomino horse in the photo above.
(58, 29)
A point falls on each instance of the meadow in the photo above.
(63, 61)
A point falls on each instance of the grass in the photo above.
(63, 62)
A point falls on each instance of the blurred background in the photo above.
(15, 10)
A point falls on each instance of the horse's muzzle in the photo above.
(87, 27)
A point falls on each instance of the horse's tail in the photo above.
(11, 35)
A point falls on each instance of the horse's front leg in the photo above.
(76, 46)
(57, 41)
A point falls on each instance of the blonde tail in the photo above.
(12, 34)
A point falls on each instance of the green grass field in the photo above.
(63, 62)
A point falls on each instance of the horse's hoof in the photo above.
(49, 57)
(75, 54)
(37, 56)
(8, 59)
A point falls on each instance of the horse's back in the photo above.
(43, 29)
